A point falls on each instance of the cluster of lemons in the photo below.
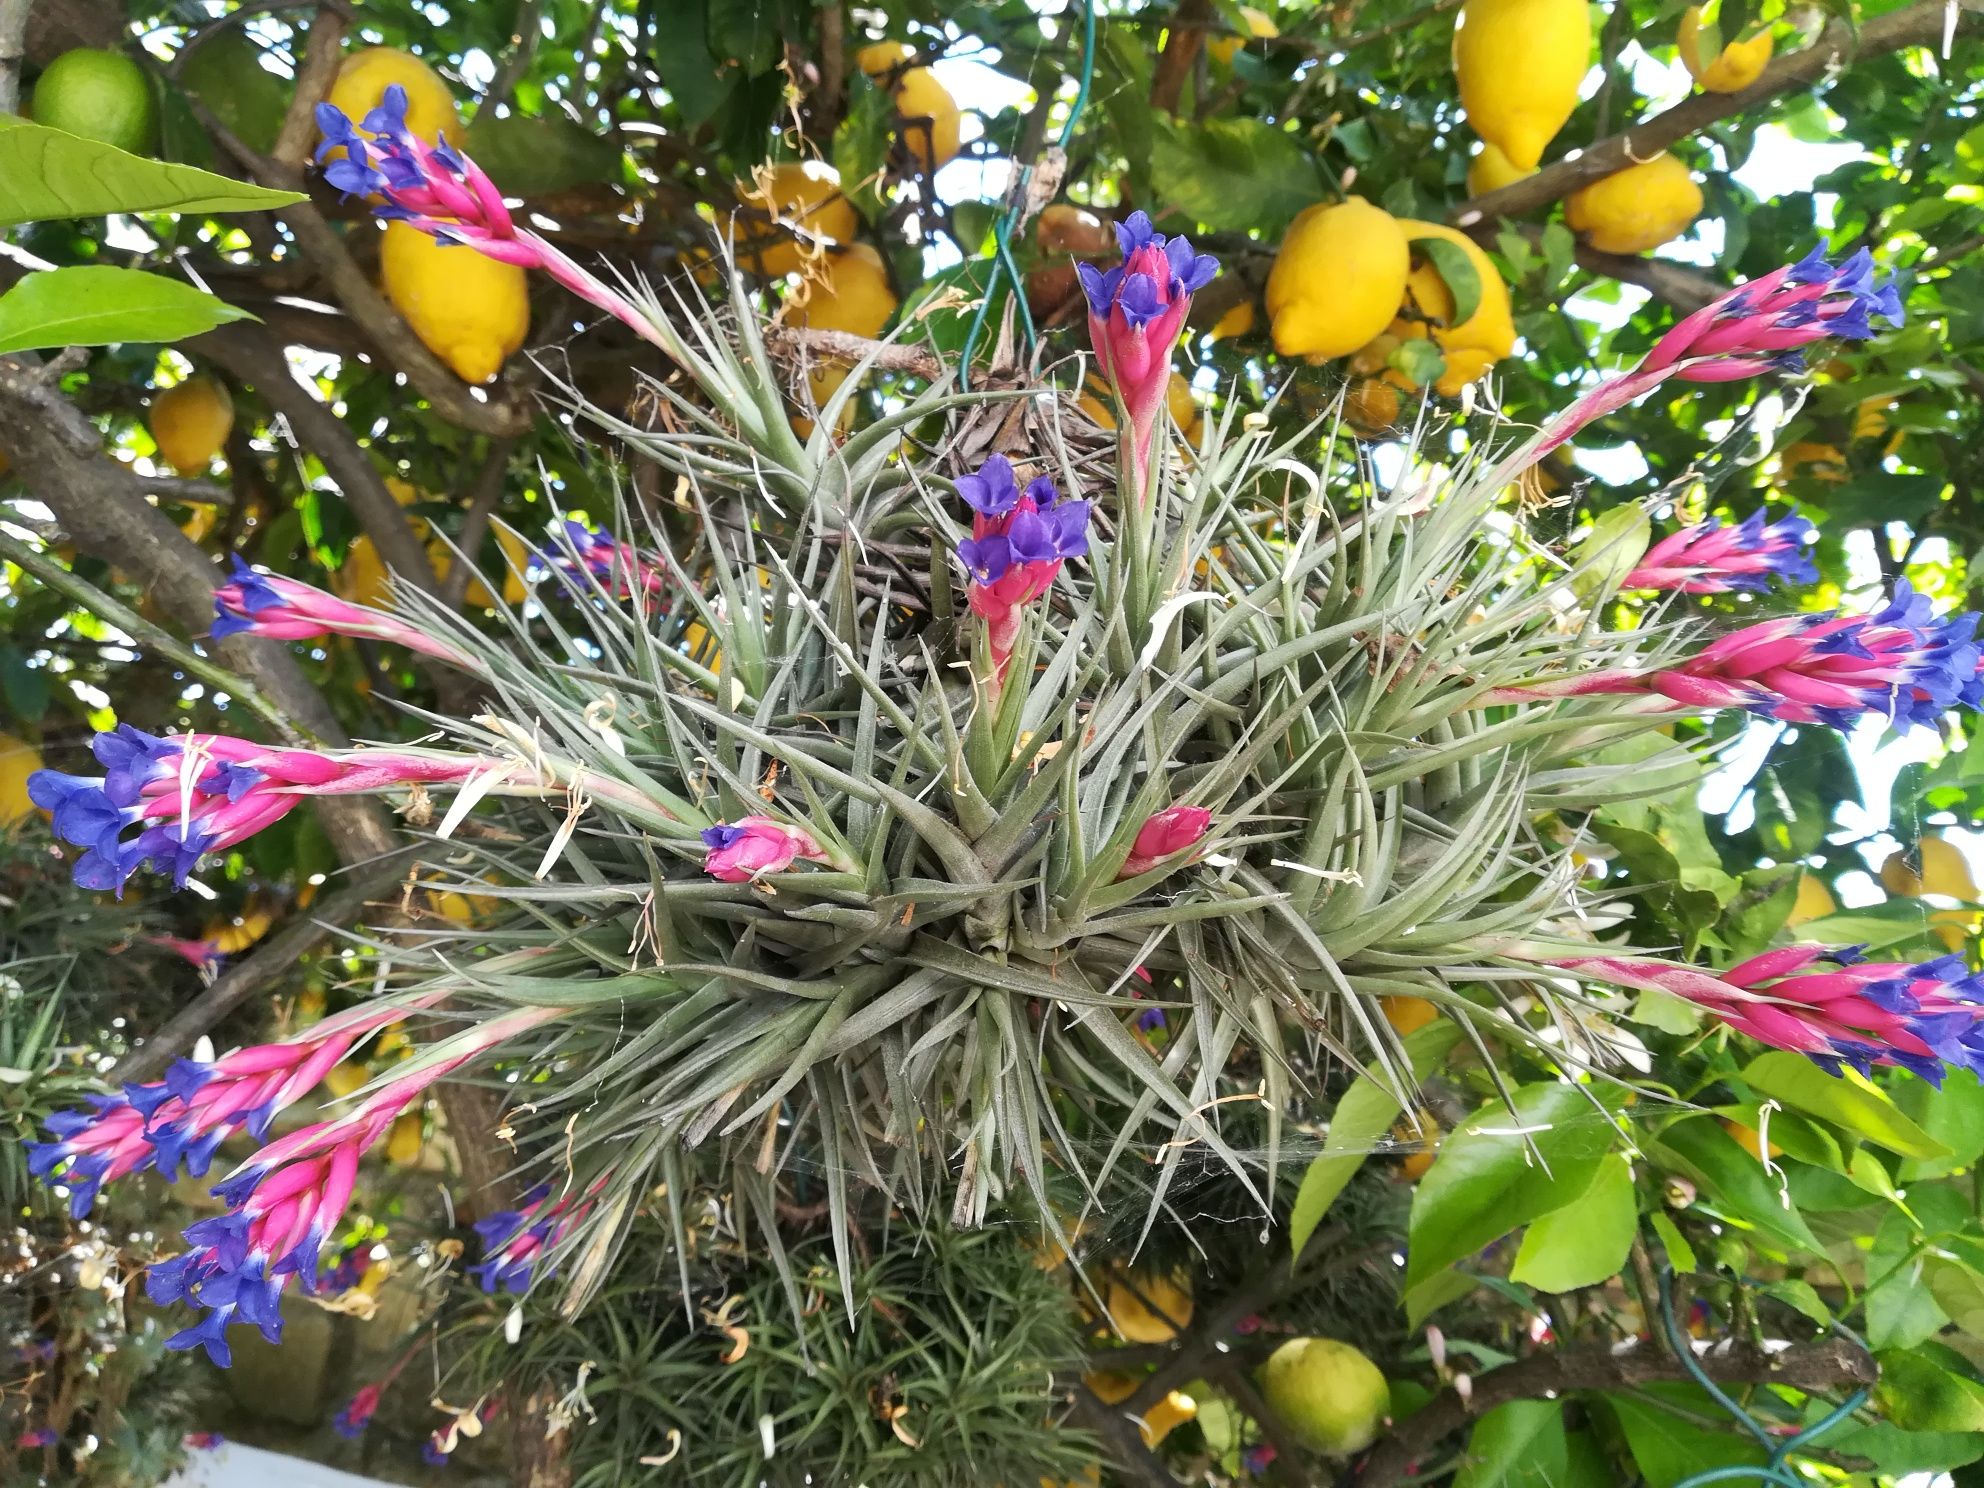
(1351, 280)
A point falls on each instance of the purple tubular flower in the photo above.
(289, 610)
(351, 1421)
(620, 567)
(1711, 558)
(1829, 1004)
(440, 191)
(1135, 313)
(1757, 327)
(1903, 663)
(1019, 540)
(514, 1241)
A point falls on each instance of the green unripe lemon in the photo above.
(97, 95)
(1332, 1397)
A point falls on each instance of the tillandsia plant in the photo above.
(945, 826)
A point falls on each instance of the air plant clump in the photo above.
(832, 871)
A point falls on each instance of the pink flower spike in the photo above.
(746, 850)
(1165, 834)
(289, 610)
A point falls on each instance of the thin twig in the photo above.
(486, 494)
(524, 37)
(265, 966)
(1920, 24)
(141, 630)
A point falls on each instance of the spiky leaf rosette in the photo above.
(948, 992)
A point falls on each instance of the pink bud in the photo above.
(742, 851)
(1169, 831)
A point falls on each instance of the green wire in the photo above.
(1005, 265)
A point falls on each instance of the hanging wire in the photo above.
(1776, 1469)
(1005, 264)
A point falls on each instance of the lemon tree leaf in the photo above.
(1610, 548)
(1849, 1101)
(1503, 1167)
(97, 305)
(1518, 1445)
(1362, 1117)
(1732, 1183)
(1918, 1395)
(1680, 1254)
(1586, 1242)
(1463, 280)
(1232, 175)
(1666, 1446)
(45, 174)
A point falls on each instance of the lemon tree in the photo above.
(1430, 218)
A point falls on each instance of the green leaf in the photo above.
(1902, 1311)
(1586, 1242)
(1232, 175)
(1802, 1297)
(1731, 1182)
(1876, 926)
(1680, 1254)
(1849, 1101)
(1959, 1291)
(1362, 1117)
(535, 155)
(861, 147)
(1953, 1115)
(1918, 1395)
(1419, 359)
(25, 688)
(96, 305)
(745, 32)
(1610, 549)
(1896, 1453)
(1505, 1166)
(1667, 1448)
(1463, 280)
(1517, 1445)
(45, 173)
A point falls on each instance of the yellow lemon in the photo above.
(1870, 417)
(1337, 279)
(1223, 49)
(800, 196)
(1491, 170)
(1806, 460)
(364, 76)
(1147, 1307)
(18, 760)
(1639, 208)
(1111, 1386)
(932, 127)
(1095, 401)
(471, 312)
(1945, 870)
(234, 936)
(1749, 1139)
(1407, 1015)
(1420, 1136)
(879, 56)
(1332, 1397)
(190, 421)
(405, 1140)
(1235, 323)
(1064, 227)
(1734, 68)
(850, 292)
(1519, 64)
(1372, 407)
(1489, 332)
(361, 578)
(1814, 902)
(345, 1076)
(1166, 1415)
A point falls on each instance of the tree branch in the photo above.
(265, 966)
(1920, 24)
(1181, 49)
(485, 495)
(101, 506)
(248, 353)
(524, 37)
(845, 346)
(1828, 1364)
(323, 53)
(13, 49)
